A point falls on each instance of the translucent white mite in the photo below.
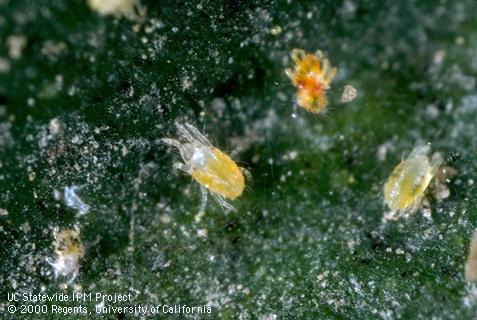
(471, 264)
(68, 250)
(214, 170)
(405, 187)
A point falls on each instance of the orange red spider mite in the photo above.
(312, 76)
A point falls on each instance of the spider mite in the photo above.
(215, 171)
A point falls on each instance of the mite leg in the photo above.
(172, 142)
(436, 162)
(330, 75)
(394, 215)
(297, 55)
(290, 74)
(235, 152)
(203, 200)
(319, 54)
(224, 204)
(325, 67)
(179, 166)
(191, 134)
(246, 173)
(203, 203)
(196, 134)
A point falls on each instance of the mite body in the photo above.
(211, 168)
(405, 187)
(311, 76)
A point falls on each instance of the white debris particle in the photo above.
(73, 201)
(427, 213)
(6, 138)
(76, 139)
(432, 111)
(186, 84)
(25, 227)
(3, 212)
(460, 40)
(355, 283)
(439, 56)
(198, 217)
(292, 155)
(54, 126)
(349, 94)
(351, 244)
(154, 25)
(31, 102)
(276, 30)
(399, 251)
(165, 218)
(219, 106)
(202, 232)
(441, 192)
(53, 49)
(5, 65)
(15, 45)
(321, 276)
(470, 299)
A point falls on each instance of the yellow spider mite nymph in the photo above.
(68, 250)
(214, 170)
(114, 7)
(312, 76)
(405, 187)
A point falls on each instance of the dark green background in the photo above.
(305, 242)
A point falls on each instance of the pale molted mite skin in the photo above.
(471, 263)
(68, 251)
(405, 187)
(349, 94)
(72, 200)
(216, 172)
